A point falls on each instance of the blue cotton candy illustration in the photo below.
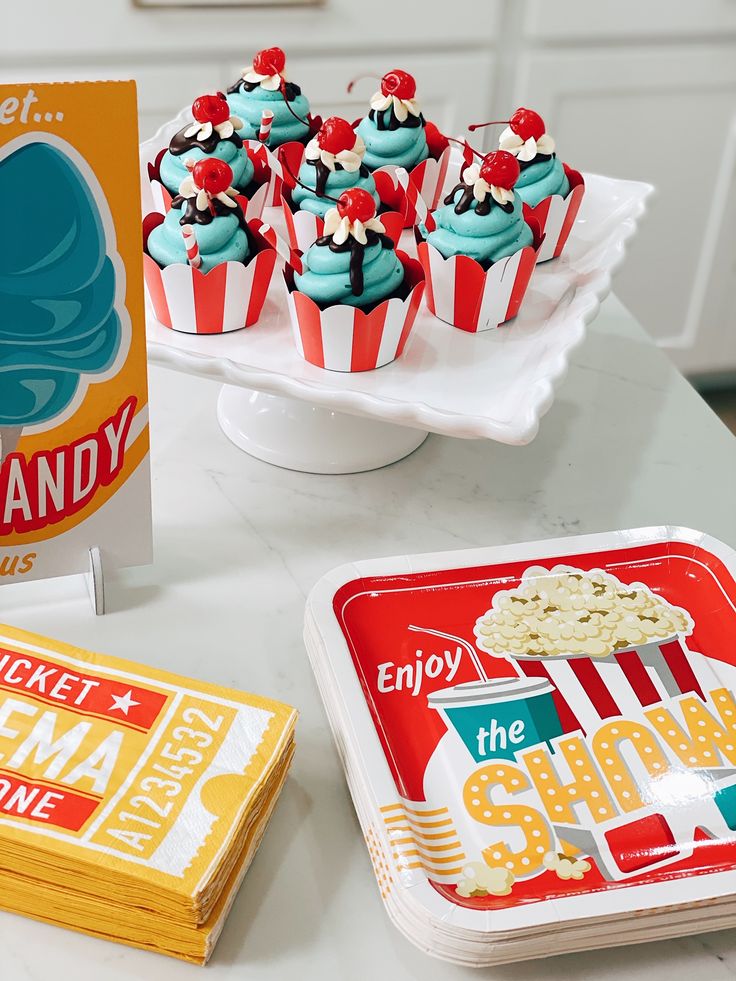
(58, 321)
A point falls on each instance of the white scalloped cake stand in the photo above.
(492, 385)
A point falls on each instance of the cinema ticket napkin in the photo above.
(131, 800)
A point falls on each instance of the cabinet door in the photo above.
(567, 20)
(663, 116)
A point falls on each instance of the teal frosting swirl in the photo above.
(326, 276)
(405, 146)
(173, 170)
(540, 179)
(250, 105)
(485, 238)
(338, 181)
(57, 286)
(220, 240)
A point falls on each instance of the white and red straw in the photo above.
(415, 199)
(290, 256)
(266, 123)
(190, 244)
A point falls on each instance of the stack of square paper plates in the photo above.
(131, 800)
(540, 740)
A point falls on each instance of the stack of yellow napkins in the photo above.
(132, 800)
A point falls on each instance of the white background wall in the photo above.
(643, 90)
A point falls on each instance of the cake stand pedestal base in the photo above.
(298, 436)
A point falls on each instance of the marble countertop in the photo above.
(238, 546)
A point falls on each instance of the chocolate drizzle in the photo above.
(191, 215)
(379, 118)
(183, 144)
(290, 90)
(357, 253)
(467, 197)
(323, 173)
(539, 158)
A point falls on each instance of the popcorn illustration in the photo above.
(563, 611)
(608, 648)
(479, 879)
(566, 867)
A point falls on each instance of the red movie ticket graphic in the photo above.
(45, 803)
(52, 683)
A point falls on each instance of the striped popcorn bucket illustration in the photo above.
(345, 338)
(589, 690)
(556, 215)
(467, 296)
(156, 196)
(303, 227)
(228, 297)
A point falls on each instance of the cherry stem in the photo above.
(359, 78)
(306, 187)
(494, 122)
(282, 88)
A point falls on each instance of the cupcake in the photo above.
(477, 249)
(206, 203)
(393, 130)
(353, 298)
(211, 135)
(542, 172)
(396, 134)
(482, 217)
(333, 163)
(550, 189)
(207, 270)
(354, 262)
(263, 87)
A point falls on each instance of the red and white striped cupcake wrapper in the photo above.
(303, 228)
(589, 690)
(556, 215)
(344, 338)
(159, 199)
(229, 297)
(432, 178)
(462, 293)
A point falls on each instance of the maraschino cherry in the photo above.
(399, 83)
(527, 123)
(356, 205)
(211, 109)
(212, 175)
(500, 169)
(269, 61)
(336, 134)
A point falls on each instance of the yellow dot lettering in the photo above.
(587, 787)
(645, 745)
(704, 737)
(485, 811)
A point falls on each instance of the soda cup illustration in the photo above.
(497, 718)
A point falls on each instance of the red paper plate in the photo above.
(543, 731)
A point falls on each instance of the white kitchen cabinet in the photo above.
(665, 115)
